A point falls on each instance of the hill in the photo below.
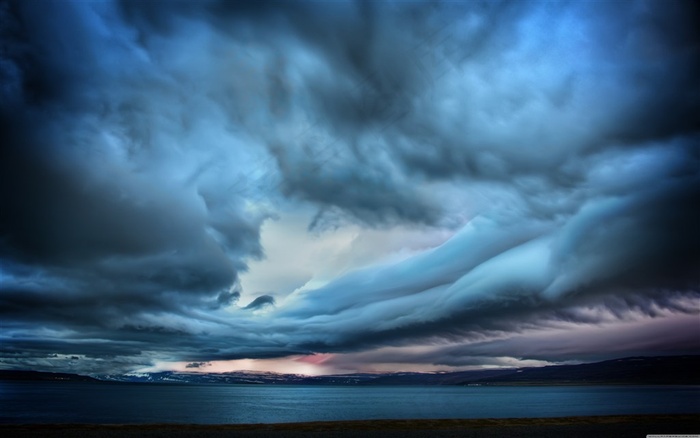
(663, 370)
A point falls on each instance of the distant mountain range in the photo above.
(664, 370)
(37, 375)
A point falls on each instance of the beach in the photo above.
(619, 426)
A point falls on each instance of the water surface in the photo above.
(77, 402)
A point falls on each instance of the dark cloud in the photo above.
(144, 144)
(91, 196)
(260, 302)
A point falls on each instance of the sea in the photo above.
(130, 403)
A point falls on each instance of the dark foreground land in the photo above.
(618, 426)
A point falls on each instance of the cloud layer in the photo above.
(145, 144)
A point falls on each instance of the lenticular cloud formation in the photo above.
(153, 153)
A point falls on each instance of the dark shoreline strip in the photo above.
(618, 425)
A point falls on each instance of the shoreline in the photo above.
(618, 425)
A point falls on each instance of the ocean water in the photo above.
(72, 402)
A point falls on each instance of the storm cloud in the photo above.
(147, 145)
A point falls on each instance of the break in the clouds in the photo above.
(416, 184)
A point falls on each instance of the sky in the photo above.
(328, 187)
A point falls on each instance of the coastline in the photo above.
(619, 425)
